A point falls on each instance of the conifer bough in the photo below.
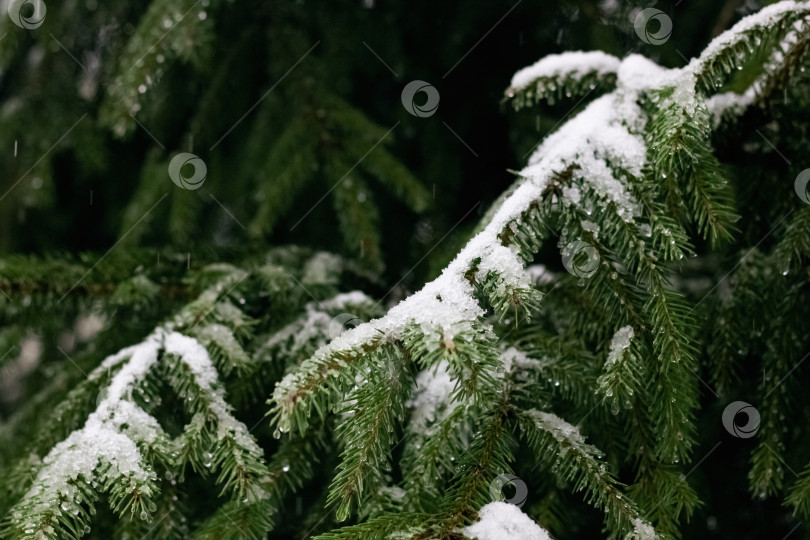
(427, 407)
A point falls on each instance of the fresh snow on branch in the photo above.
(599, 158)
(514, 359)
(642, 531)
(732, 104)
(620, 342)
(765, 18)
(194, 355)
(561, 430)
(574, 64)
(448, 305)
(504, 521)
(106, 448)
(101, 441)
(317, 319)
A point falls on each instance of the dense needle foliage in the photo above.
(328, 336)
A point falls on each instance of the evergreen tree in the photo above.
(631, 307)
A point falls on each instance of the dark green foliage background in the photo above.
(462, 48)
(254, 44)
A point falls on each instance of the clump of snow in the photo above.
(505, 262)
(504, 521)
(729, 102)
(78, 458)
(344, 300)
(590, 226)
(539, 274)
(314, 324)
(595, 136)
(323, 267)
(574, 64)
(637, 73)
(683, 94)
(596, 132)
(643, 530)
(571, 195)
(305, 329)
(619, 343)
(141, 358)
(515, 360)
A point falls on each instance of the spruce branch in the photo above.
(488, 455)
(579, 463)
(789, 67)
(638, 175)
(681, 156)
(429, 457)
(380, 528)
(799, 494)
(148, 52)
(559, 76)
(763, 30)
(368, 431)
